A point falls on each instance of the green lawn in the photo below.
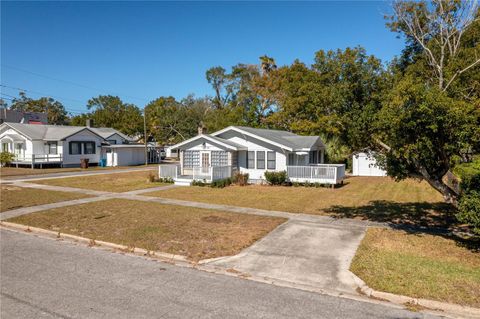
(117, 182)
(13, 197)
(374, 198)
(420, 266)
(192, 232)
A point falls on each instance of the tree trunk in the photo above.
(448, 194)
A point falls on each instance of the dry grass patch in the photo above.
(419, 265)
(26, 171)
(193, 232)
(374, 198)
(14, 197)
(117, 182)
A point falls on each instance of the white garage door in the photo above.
(366, 166)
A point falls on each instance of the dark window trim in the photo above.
(271, 163)
(250, 159)
(49, 145)
(93, 147)
(260, 161)
(70, 147)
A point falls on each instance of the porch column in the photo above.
(180, 152)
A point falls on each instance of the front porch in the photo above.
(186, 176)
(37, 160)
(318, 173)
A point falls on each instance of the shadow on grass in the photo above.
(413, 217)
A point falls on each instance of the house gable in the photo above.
(226, 133)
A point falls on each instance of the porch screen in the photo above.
(313, 157)
(191, 159)
(219, 158)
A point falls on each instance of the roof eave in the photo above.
(252, 135)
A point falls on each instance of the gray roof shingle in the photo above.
(288, 139)
(59, 132)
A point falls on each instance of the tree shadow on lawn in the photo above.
(413, 217)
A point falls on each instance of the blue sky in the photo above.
(143, 50)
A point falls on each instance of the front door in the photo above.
(205, 158)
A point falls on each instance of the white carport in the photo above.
(124, 154)
(365, 164)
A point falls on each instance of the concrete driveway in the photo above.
(307, 253)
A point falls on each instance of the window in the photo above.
(291, 159)
(4, 147)
(219, 158)
(111, 142)
(312, 157)
(251, 159)
(89, 148)
(52, 147)
(75, 148)
(260, 159)
(191, 159)
(271, 163)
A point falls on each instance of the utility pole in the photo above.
(145, 134)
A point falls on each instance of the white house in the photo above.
(365, 164)
(254, 151)
(38, 145)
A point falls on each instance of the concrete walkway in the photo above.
(303, 253)
(307, 249)
(8, 179)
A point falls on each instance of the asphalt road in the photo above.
(44, 278)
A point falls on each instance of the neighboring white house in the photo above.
(253, 151)
(38, 145)
(365, 164)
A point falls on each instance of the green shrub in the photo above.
(166, 180)
(240, 179)
(6, 158)
(199, 183)
(469, 202)
(276, 178)
(221, 183)
(469, 210)
(469, 175)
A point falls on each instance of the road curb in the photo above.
(93, 242)
(448, 308)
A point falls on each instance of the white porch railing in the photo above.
(169, 171)
(210, 173)
(221, 172)
(319, 173)
(38, 158)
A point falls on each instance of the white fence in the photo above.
(210, 173)
(168, 171)
(320, 173)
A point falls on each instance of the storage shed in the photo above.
(124, 154)
(365, 164)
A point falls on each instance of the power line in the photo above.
(41, 93)
(69, 82)
(6, 98)
(12, 98)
